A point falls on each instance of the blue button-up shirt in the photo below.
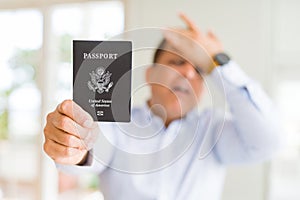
(144, 160)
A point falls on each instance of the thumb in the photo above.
(75, 112)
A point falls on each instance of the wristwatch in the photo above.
(221, 59)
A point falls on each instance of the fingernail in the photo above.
(88, 123)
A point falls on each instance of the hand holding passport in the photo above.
(102, 79)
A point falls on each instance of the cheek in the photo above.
(160, 91)
(163, 76)
(198, 87)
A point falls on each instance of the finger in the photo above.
(62, 124)
(66, 124)
(85, 141)
(190, 24)
(63, 155)
(75, 112)
(65, 139)
(212, 35)
(57, 151)
(90, 139)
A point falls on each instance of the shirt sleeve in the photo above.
(90, 166)
(252, 130)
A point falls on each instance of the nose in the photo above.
(188, 71)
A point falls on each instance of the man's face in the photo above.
(175, 84)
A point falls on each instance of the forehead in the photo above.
(167, 47)
(168, 50)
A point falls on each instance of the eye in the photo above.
(177, 62)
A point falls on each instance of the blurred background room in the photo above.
(36, 74)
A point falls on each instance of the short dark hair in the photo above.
(160, 49)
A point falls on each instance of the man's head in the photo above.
(175, 83)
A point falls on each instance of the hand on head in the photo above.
(194, 45)
(69, 133)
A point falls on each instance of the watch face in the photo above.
(221, 58)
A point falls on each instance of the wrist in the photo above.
(220, 59)
(212, 66)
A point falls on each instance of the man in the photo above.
(158, 154)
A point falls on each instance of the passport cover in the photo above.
(102, 79)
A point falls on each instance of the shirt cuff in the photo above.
(89, 159)
(231, 74)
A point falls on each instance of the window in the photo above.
(20, 101)
(92, 21)
(285, 171)
(76, 21)
(36, 74)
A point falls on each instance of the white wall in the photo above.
(244, 28)
(240, 24)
